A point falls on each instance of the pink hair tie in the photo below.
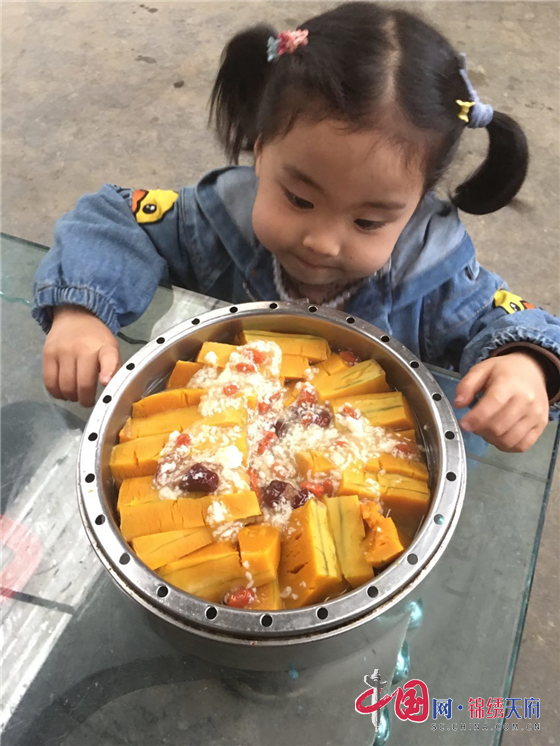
(285, 43)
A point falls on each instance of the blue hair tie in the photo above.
(474, 113)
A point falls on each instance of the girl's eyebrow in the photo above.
(296, 173)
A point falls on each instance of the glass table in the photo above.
(82, 666)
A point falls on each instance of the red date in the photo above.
(199, 478)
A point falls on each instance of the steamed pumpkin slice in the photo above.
(162, 515)
(182, 373)
(137, 458)
(165, 400)
(160, 423)
(306, 345)
(310, 463)
(364, 378)
(309, 570)
(216, 354)
(211, 572)
(234, 506)
(208, 573)
(347, 526)
(408, 499)
(333, 364)
(382, 543)
(137, 490)
(294, 366)
(259, 546)
(385, 409)
(156, 550)
(357, 481)
(267, 597)
(405, 467)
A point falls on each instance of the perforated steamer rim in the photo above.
(146, 371)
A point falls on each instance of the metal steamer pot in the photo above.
(279, 639)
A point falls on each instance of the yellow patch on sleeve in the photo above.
(151, 205)
(510, 302)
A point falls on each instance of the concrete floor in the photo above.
(97, 92)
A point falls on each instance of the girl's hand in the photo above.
(514, 409)
(79, 350)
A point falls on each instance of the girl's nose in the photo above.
(322, 243)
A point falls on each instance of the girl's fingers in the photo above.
(87, 372)
(529, 440)
(109, 362)
(50, 375)
(492, 407)
(503, 421)
(518, 433)
(67, 378)
(472, 383)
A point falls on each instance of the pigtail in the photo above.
(496, 182)
(237, 92)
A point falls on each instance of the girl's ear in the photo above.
(257, 151)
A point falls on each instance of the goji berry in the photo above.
(254, 481)
(265, 442)
(350, 411)
(246, 367)
(307, 396)
(183, 440)
(307, 419)
(349, 357)
(404, 448)
(230, 389)
(315, 487)
(258, 356)
(241, 599)
(263, 407)
(341, 443)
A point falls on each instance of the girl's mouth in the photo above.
(311, 265)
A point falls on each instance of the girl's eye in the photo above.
(303, 204)
(369, 225)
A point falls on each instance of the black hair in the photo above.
(368, 66)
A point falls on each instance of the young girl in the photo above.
(352, 119)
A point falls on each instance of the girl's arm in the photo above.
(108, 256)
(505, 347)
(110, 253)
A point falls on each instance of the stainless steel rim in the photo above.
(242, 626)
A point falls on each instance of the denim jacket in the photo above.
(112, 250)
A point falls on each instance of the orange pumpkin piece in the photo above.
(408, 499)
(371, 512)
(137, 490)
(382, 543)
(156, 424)
(163, 515)
(267, 597)
(136, 458)
(361, 379)
(208, 573)
(386, 409)
(156, 550)
(230, 507)
(407, 468)
(309, 570)
(182, 373)
(259, 546)
(215, 351)
(294, 366)
(165, 400)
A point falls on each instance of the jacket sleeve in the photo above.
(473, 317)
(110, 252)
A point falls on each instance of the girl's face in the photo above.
(330, 203)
